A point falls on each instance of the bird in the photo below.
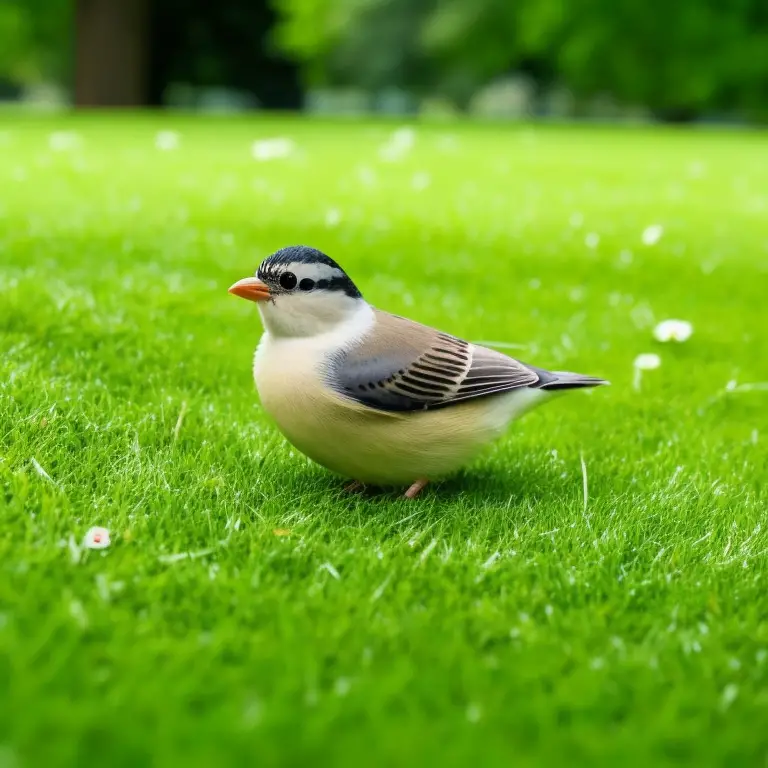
(377, 398)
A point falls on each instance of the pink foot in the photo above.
(415, 489)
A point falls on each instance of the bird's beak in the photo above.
(251, 288)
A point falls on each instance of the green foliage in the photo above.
(686, 57)
(357, 42)
(36, 39)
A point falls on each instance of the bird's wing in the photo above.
(404, 366)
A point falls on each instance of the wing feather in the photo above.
(404, 366)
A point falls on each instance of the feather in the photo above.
(400, 365)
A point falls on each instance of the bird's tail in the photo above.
(561, 380)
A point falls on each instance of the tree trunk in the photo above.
(110, 60)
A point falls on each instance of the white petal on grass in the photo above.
(592, 240)
(96, 538)
(673, 330)
(399, 144)
(166, 141)
(63, 141)
(652, 234)
(272, 149)
(331, 570)
(648, 361)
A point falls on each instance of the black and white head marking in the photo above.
(301, 269)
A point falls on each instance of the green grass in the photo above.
(493, 621)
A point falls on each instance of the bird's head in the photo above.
(301, 292)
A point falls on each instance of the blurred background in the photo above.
(683, 61)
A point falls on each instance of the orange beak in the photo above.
(251, 288)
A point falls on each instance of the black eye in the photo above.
(307, 284)
(288, 281)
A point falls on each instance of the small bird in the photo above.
(375, 397)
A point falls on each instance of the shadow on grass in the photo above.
(518, 488)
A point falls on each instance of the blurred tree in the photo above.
(369, 43)
(681, 60)
(111, 53)
(126, 52)
(680, 63)
(204, 44)
(35, 40)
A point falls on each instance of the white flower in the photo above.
(652, 234)
(332, 217)
(96, 538)
(592, 240)
(167, 140)
(272, 149)
(400, 143)
(648, 361)
(62, 141)
(673, 330)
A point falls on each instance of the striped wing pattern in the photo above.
(404, 366)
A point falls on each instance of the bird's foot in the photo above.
(354, 487)
(415, 489)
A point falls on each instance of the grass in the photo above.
(247, 611)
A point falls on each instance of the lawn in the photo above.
(532, 611)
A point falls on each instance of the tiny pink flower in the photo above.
(96, 538)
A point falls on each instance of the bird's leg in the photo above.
(354, 487)
(416, 489)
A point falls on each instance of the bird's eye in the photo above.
(288, 281)
(307, 284)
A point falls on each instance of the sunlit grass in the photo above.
(247, 610)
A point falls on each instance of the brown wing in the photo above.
(404, 366)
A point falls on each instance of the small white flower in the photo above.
(648, 361)
(96, 538)
(652, 234)
(592, 240)
(272, 149)
(673, 330)
(63, 141)
(167, 140)
(332, 217)
(400, 143)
